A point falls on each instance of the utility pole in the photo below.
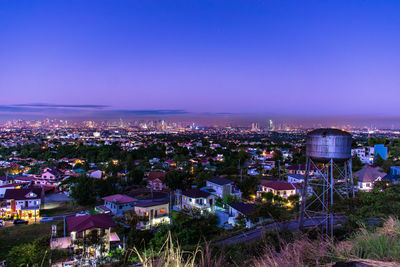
(279, 169)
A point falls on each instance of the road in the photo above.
(257, 232)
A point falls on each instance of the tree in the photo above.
(176, 180)
(379, 161)
(202, 177)
(249, 185)
(356, 163)
(274, 211)
(136, 176)
(277, 155)
(83, 190)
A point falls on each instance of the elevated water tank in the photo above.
(326, 144)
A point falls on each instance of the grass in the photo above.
(381, 244)
(21, 234)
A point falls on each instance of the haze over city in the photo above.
(304, 62)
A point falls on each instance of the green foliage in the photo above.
(272, 210)
(136, 176)
(82, 191)
(188, 230)
(202, 177)
(249, 185)
(177, 180)
(85, 190)
(379, 161)
(35, 253)
(381, 244)
(356, 163)
(230, 199)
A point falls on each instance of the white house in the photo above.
(282, 189)
(295, 178)
(221, 187)
(157, 212)
(117, 204)
(367, 176)
(24, 202)
(237, 209)
(196, 199)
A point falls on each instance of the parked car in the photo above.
(83, 213)
(20, 221)
(46, 219)
(1, 223)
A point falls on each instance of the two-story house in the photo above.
(156, 179)
(221, 187)
(89, 233)
(118, 204)
(196, 199)
(155, 212)
(24, 202)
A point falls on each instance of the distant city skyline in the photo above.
(110, 59)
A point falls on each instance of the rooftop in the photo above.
(119, 199)
(281, 185)
(219, 181)
(196, 193)
(82, 223)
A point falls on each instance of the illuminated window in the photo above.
(146, 214)
(162, 210)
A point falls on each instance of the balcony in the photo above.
(35, 207)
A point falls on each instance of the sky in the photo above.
(280, 58)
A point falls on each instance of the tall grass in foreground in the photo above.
(171, 255)
(382, 244)
(376, 248)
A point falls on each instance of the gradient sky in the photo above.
(265, 57)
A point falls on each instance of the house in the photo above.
(3, 188)
(52, 173)
(196, 199)
(91, 233)
(295, 178)
(282, 189)
(156, 212)
(395, 170)
(365, 154)
(381, 150)
(238, 209)
(221, 187)
(118, 204)
(301, 169)
(24, 202)
(156, 180)
(367, 176)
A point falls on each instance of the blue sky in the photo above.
(306, 58)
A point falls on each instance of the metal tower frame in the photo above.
(325, 217)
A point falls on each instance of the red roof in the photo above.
(153, 175)
(13, 185)
(196, 193)
(281, 185)
(119, 199)
(23, 193)
(82, 223)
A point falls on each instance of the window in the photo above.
(162, 210)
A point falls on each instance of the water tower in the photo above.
(328, 159)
